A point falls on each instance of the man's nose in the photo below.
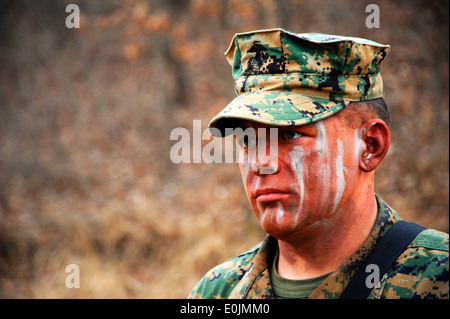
(265, 161)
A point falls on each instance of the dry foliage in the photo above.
(85, 118)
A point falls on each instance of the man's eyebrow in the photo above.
(310, 126)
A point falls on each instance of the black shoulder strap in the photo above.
(384, 254)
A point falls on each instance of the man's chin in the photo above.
(282, 232)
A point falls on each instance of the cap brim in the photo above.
(277, 108)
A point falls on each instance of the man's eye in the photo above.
(247, 141)
(290, 135)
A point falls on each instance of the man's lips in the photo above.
(270, 194)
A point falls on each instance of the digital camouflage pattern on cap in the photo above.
(283, 78)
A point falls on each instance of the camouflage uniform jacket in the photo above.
(422, 271)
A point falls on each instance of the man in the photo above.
(329, 234)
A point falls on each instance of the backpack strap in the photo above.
(384, 254)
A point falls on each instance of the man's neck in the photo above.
(324, 246)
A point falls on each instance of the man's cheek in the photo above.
(245, 168)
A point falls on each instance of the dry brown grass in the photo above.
(85, 117)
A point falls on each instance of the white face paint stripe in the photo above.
(275, 214)
(280, 212)
(358, 146)
(322, 137)
(324, 160)
(261, 214)
(245, 167)
(297, 165)
(340, 179)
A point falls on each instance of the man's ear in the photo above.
(376, 139)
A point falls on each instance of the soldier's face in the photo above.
(308, 178)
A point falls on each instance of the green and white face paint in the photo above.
(340, 179)
(298, 167)
(320, 176)
(272, 215)
(309, 188)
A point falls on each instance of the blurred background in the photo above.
(85, 119)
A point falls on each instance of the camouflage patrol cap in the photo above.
(288, 79)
